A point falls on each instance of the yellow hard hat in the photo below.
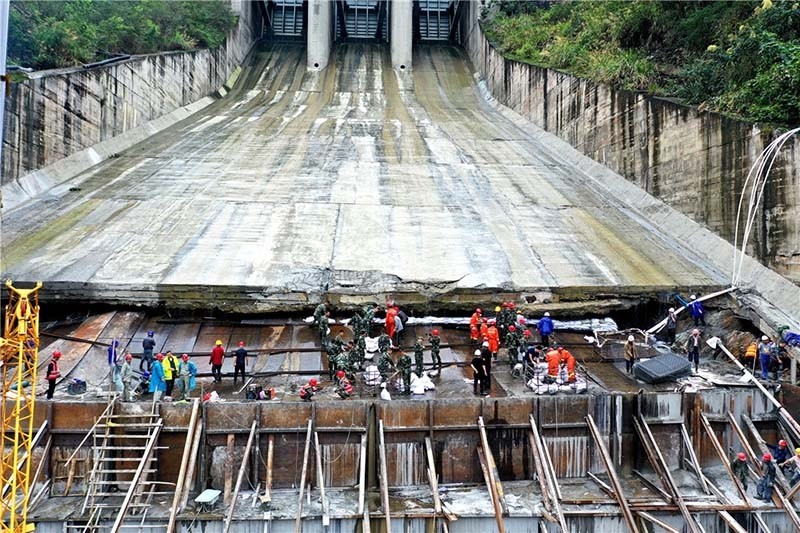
(497, 309)
(797, 451)
(219, 342)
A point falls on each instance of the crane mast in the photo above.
(19, 348)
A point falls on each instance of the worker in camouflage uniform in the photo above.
(512, 344)
(384, 343)
(366, 319)
(334, 349)
(321, 315)
(435, 341)
(404, 366)
(418, 356)
(385, 365)
(358, 353)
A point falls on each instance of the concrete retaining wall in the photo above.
(694, 161)
(57, 114)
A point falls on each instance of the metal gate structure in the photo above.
(435, 19)
(286, 18)
(362, 19)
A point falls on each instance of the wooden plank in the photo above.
(550, 479)
(240, 476)
(228, 487)
(673, 487)
(326, 519)
(498, 511)
(298, 524)
(437, 502)
(189, 483)
(187, 447)
(537, 462)
(687, 442)
(725, 461)
(362, 475)
(612, 475)
(731, 521)
(497, 485)
(660, 523)
(267, 497)
(384, 477)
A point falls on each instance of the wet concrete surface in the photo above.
(356, 179)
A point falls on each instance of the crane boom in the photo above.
(19, 349)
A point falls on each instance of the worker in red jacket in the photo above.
(474, 325)
(493, 336)
(217, 355)
(53, 374)
(391, 312)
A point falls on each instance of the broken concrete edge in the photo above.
(231, 81)
(779, 302)
(567, 301)
(44, 179)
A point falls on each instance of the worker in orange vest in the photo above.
(53, 374)
(484, 332)
(493, 336)
(391, 312)
(553, 364)
(474, 325)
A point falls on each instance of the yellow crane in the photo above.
(19, 348)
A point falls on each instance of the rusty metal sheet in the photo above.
(341, 415)
(512, 453)
(341, 454)
(563, 410)
(220, 416)
(457, 460)
(289, 416)
(662, 407)
(181, 338)
(464, 412)
(72, 352)
(93, 367)
(76, 416)
(406, 463)
(404, 414)
(161, 330)
(176, 415)
(569, 450)
(509, 410)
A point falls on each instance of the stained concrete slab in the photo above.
(354, 180)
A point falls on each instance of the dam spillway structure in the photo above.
(367, 152)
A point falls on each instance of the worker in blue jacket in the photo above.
(158, 385)
(545, 327)
(697, 311)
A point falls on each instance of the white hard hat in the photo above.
(671, 309)
(477, 352)
(695, 331)
(693, 297)
(485, 344)
(383, 385)
(547, 313)
(630, 338)
(764, 338)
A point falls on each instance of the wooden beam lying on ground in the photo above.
(298, 523)
(612, 475)
(497, 485)
(660, 523)
(723, 459)
(551, 480)
(650, 441)
(240, 476)
(187, 447)
(384, 477)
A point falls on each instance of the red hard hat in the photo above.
(782, 443)
(479, 311)
(560, 348)
(435, 333)
(128, 357)
(512, 305)
(159, 356)
(313, 382)
(526, 333)
(505, 304)
(767, 457)
(340, 374)
(742, 456)
(241, 343)
(57, 354)
(512, 328)
(185, 357)
(521, 320)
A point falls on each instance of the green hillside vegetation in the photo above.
(737, 57)
(49, 34)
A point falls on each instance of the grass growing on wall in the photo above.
(736, 57)
(49, 34)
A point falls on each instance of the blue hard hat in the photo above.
(151, 333)
(145, 374)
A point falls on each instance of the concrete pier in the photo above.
(402, 33)
(320, 33)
